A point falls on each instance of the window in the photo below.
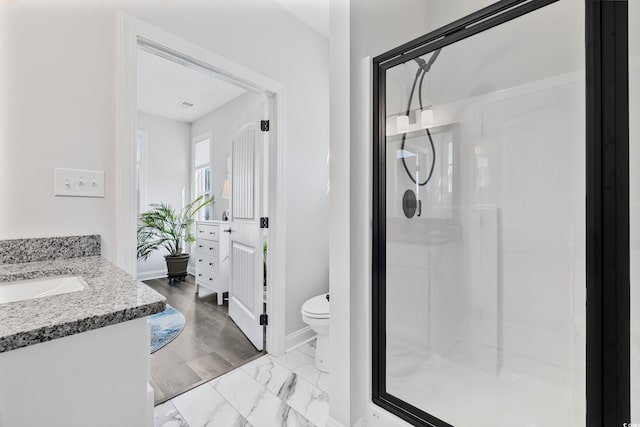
(202, 174)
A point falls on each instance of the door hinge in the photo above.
(264, 320)
(264, 125)
(264, 222)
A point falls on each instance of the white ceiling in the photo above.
(163, 84)
(314, 13)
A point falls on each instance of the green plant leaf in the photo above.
(163, 227)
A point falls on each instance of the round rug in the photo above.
(165, 326)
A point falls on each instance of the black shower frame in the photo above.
(608, 400)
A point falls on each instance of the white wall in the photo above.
(59, 73)
(167, 171)
(374, 30)
(507, 56)
(223, 123)
(340, 326)
(58, 87)
(371, 27)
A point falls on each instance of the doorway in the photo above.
(214, 178)
(199, 137)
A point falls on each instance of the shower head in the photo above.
(426, 66)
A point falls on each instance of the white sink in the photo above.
(39, 288)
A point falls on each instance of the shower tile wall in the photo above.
(531, 184)
(487, 303)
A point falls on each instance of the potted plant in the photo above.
(162, 226)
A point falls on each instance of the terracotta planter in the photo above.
(177, 266)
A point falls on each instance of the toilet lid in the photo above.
(317, 306)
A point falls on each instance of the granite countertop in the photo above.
(111, 296)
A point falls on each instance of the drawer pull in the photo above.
(199, 260)
(200, 275)
(210, 263)
(199, 246)
(211, 232)
(210, 278)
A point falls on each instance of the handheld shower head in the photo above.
(423, 68)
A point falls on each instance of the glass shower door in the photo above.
(482, 217)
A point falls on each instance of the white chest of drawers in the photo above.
(211, 256)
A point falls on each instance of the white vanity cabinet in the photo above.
(211, 256)
(97, 378)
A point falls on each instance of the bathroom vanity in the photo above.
(72, 352)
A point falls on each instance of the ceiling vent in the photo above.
(185, 104)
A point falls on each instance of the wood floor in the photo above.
(210, 344)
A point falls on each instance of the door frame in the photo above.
(607, 203)
(608, 252)
(130, 31)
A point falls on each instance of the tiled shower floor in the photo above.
(442, 387)
(270, 391)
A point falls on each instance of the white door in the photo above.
(245, 251)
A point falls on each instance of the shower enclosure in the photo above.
(501, 219)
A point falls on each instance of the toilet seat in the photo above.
(316, 307)
(315, 313)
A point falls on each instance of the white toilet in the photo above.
(315, 313)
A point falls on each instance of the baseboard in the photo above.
(150, 420)
(155, 274)
(160, 274)
(333, 423)
(298, 338)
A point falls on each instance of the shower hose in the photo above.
(423, 69)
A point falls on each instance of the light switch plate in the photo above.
(78, 183)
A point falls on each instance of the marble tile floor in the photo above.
(269, 391)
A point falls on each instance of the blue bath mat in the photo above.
(165, 326)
